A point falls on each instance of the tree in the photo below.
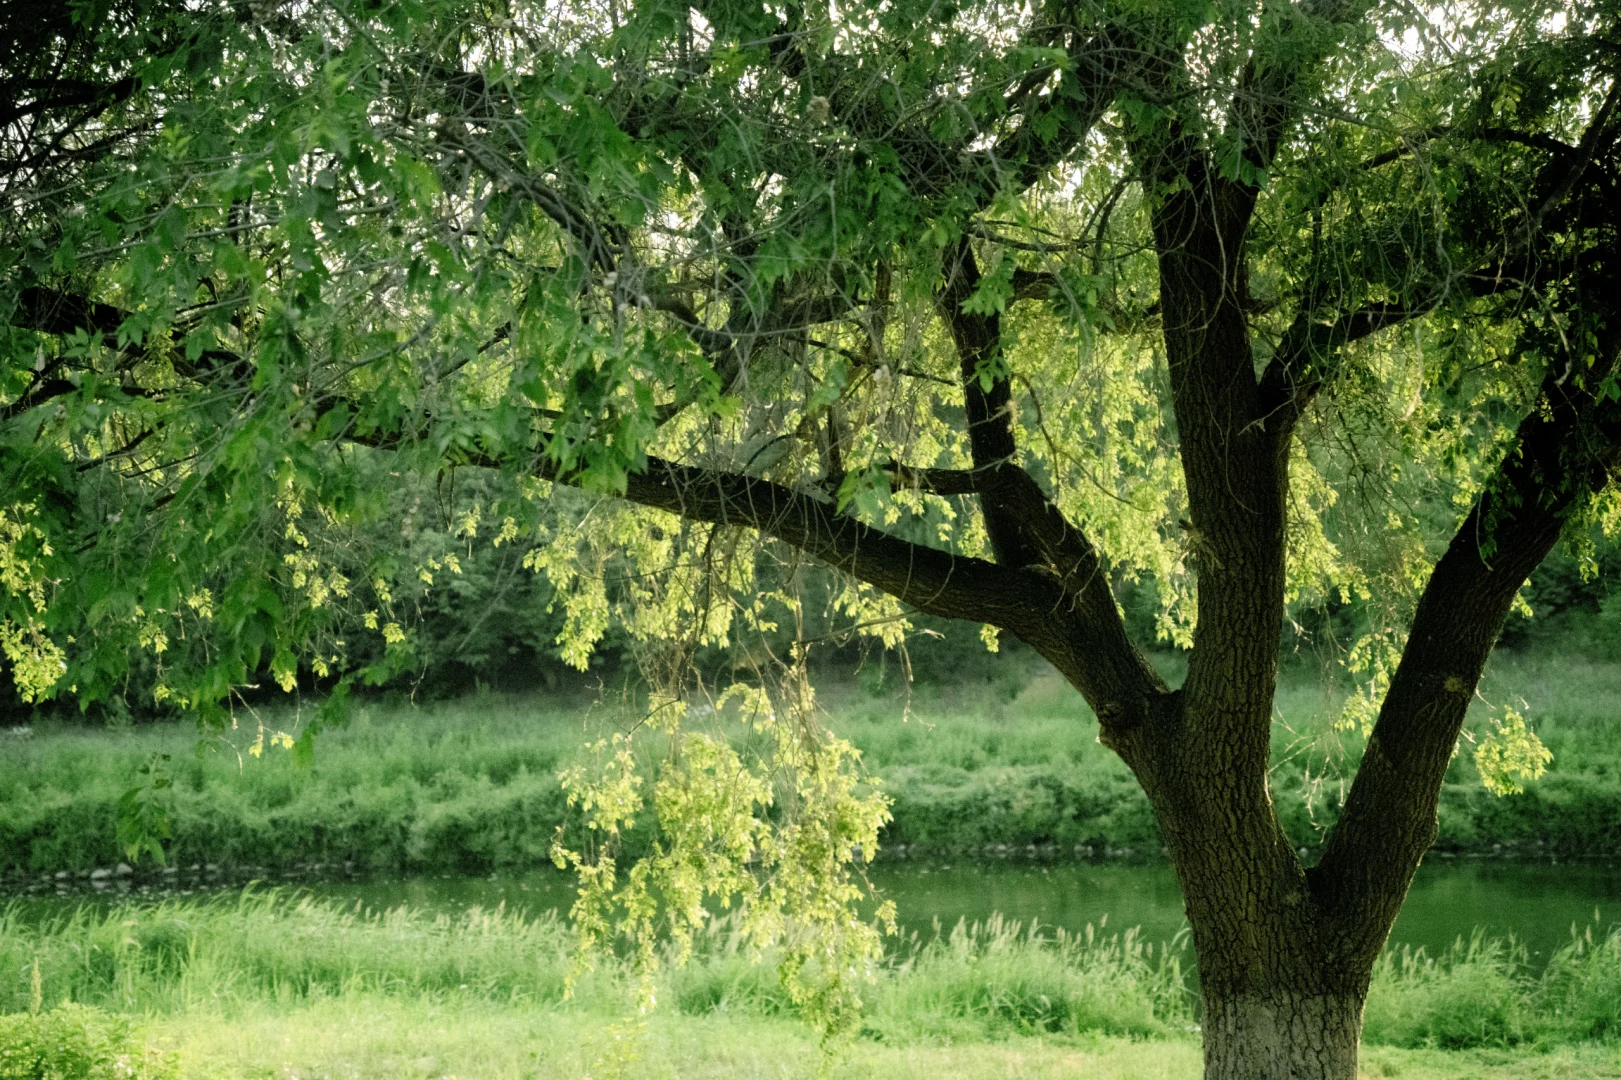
(987, 308)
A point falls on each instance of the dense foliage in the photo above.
(253, 248)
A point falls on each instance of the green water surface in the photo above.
(1539, 904)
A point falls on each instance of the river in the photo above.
(1537, 903)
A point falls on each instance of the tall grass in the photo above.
(264, 946)
(462, 787)
(979, 981)
(992, 979)
(268, 947)
(1482, 993)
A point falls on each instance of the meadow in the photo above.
(470, 785)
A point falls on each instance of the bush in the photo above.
(77, 1042)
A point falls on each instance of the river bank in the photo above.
(470, 786)
(1538, 905)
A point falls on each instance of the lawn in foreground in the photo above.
(377, 1038)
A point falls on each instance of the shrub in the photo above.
(77, 1042)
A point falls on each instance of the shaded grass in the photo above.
(176, 956)
(278, 986)
(1481, 993)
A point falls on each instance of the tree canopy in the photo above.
(988, 309)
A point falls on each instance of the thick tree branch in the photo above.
(1300, 363)
(1567, 448)
(1024, 526)
(1571, 169)
(926, 578)
(1070, 626)
(987, 397)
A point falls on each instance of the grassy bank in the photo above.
(268, 986)
(471, 784)
(376, 1039)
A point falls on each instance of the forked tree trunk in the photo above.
(1283, 972)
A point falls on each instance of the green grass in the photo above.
(382, 1039)
(470, 785)
(267, 985)
(460, 787)
(270, 986)
(374, 1037)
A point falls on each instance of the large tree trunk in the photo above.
(1283, 974)
(1285, 1032)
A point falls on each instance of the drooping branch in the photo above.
(49, 311)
